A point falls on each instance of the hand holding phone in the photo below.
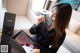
(40, 19)
(45, 18)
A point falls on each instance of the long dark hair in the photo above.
(63, 15)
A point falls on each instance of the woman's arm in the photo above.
(33, 29)
(45, 50)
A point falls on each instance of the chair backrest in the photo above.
(19, 7)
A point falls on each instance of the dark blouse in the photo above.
(41, 36)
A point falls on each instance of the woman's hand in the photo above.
(35, 51)
(40, 19)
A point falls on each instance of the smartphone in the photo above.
(48, 19)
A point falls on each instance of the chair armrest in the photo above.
(72, 43)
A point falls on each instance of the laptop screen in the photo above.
(23, 39)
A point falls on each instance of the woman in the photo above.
(52, 38)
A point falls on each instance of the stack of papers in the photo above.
(27, 49)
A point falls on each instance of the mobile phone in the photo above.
(48, 19)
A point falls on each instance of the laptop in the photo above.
(26, 41)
